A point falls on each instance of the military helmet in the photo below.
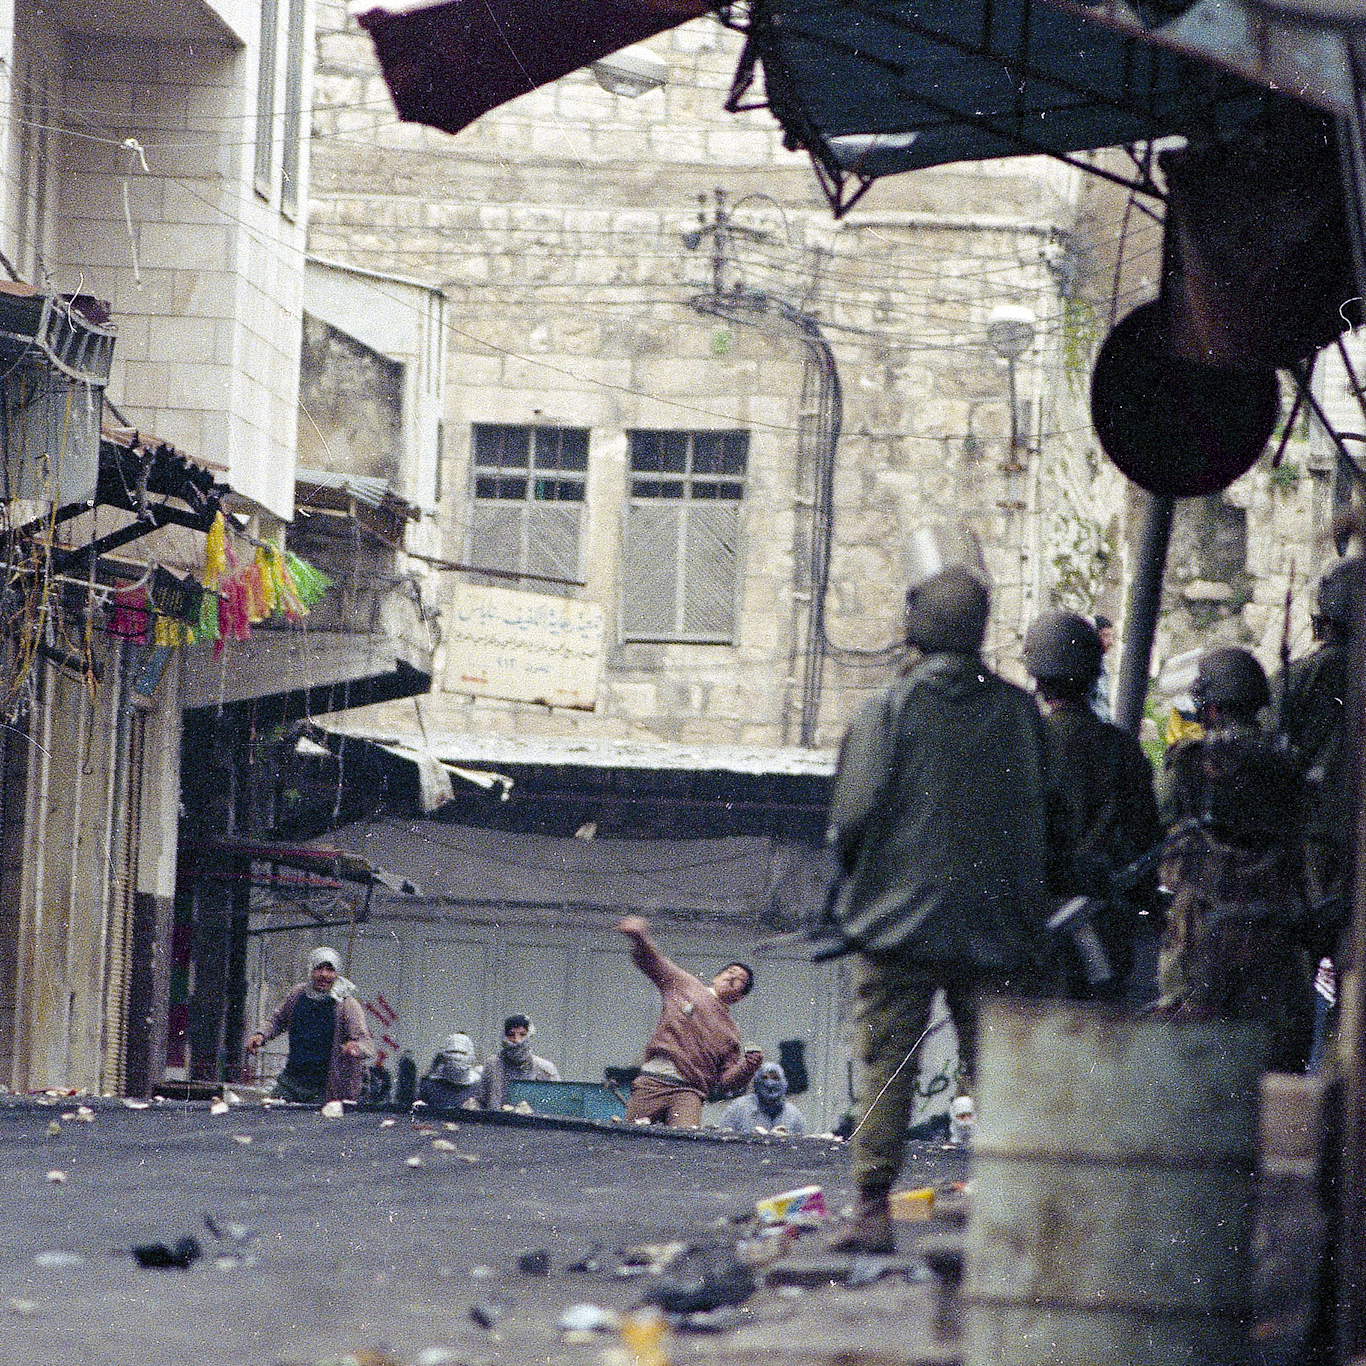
(1064, 646)
(1230, 677)
(948, 611)
(1340, 594)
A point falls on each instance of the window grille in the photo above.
(680, 561)
(529, 488)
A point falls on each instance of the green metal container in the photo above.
(1113, 1187)
(576, 1099)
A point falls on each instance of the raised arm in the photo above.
(646, 954)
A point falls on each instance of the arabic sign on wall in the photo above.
(524, 647)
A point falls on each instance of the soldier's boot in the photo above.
(871, 1231)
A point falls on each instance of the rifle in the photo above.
(1075, 916)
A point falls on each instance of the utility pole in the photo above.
(721, 228)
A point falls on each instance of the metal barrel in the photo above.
(1113, 1187)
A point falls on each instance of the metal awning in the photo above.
(872, 89)
(148, 478)
(367, 499)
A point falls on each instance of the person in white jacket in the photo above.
(514, 1061)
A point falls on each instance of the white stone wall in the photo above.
(203, 275)
(555, 227)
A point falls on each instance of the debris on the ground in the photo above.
(56, 1259)
(767, 1245)
(443, 1145)
(159, 1256)
(228, 1230)
(803, 1206)
(136, 1104)
(219, 1107)
(487, 1312)
(646, 1336)
(534, 1262)
(590, 1261)
(334, 1109)
(53, 1129)
(413, 1161)
(21, 1306)
(701, 1278)
(914, 1206)
(56, 1177)
(864, 1270)
(436, 1356)
(647, 1258)
(241, 1138)
(720, 1320)
(388, 1123)
(587, 1319)
(482, 1273)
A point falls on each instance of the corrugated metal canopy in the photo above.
(871, 89)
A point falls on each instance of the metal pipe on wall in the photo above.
(1145, 600)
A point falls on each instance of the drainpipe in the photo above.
(1145, 599)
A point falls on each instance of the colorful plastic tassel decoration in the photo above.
(215, 552)
(309, 583)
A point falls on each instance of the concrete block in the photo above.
(199, 246)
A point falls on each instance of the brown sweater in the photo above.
(695, 1034)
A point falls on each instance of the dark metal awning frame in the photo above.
(140, 476)
(323, 870)
(943, 83)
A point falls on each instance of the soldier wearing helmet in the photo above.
(1233, 947)
(939, 817)
(1312, 692)
(1229, 690)
(1105, 785)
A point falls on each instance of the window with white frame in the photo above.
(680, 560)
(529, 485)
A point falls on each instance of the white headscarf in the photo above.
(341, 988)
(456, 1063)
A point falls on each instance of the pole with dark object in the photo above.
(1145, 599)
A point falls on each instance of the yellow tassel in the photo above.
(269, 593)
(215, 552)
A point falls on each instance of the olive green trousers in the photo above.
(892, 1011)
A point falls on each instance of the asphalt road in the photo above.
(343, 1245)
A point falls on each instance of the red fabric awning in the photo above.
(446, 62)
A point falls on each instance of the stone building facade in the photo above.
(599, 290)
(651, 320)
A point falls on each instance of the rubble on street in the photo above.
(517, 1239)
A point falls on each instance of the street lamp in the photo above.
(1010, 333)
(632, 71)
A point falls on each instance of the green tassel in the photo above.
(207, 626)
(311, 583)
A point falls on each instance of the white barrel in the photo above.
(1113, 1189)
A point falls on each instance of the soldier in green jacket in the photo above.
(939, 817)
(1235, 947)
